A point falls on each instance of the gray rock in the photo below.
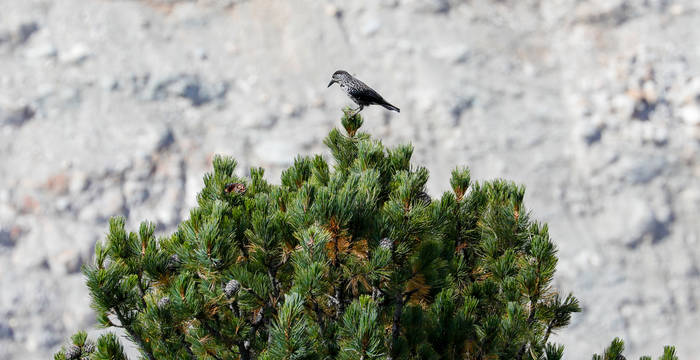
(190, 87)
(659, 135)
(135, 192)
(109, 203)
(8, 238)
(76, 55)
(200, 54)
(390, 3)
(334, 11)
(66, 262)
(25, 31)
(6, 331)
(460, 105)
(259, 118)
(643, 169)
(370, 27)
(223, 4)
(639, 225)
(41, 50)
(5, 37)
(166, 140)
(623, 105)
(688, 92)
(275, 152)
(79, 181)
(45, 336)
(590, 131)
(17, 116)
(690, 114)
(609, 13)
(19, 35)
(431, 6)
(453, 54)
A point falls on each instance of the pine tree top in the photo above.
(352, 260)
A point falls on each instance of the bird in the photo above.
(359, 92)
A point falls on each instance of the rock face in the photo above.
(116, 108)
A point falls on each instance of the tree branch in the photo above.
(142, 291)
(530, 320)
(214, 331)
(243, 350)
(135, 337)
(549, 330)
(396, 324)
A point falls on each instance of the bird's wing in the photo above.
(368, 95)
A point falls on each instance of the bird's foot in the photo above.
(357, 111)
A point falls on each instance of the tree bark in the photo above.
(396, 324)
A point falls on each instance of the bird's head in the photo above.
(339, 76)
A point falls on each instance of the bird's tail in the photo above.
(391, 107)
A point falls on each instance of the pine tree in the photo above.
(349, 261)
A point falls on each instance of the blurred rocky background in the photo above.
(116, 108)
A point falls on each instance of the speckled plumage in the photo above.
(359, 92)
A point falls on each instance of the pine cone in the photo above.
(232, 288)
(238, 188)
(332, 302)
(424, 198)
(73, 352)
(376, 294)
(257, 317)
(88, 348)
(173, 263)
(163, 302)
(386, 243)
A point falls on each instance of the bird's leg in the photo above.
(357, 111)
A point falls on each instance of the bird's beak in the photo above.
(331, 83)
